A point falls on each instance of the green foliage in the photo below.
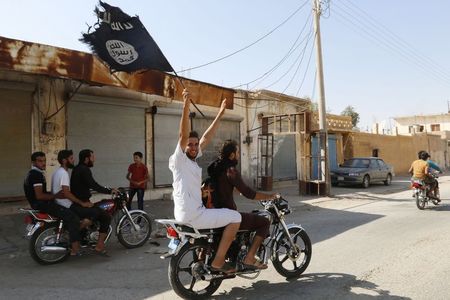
(350, 111)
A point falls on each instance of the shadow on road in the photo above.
(312, 286)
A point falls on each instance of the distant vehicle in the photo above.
(362, 170)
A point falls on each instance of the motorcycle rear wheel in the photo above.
(128, 236)
(284, 260)
(46, 236)
(181, 278)
(420, 201)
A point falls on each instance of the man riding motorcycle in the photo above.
(420, 170)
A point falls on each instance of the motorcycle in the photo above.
(422, 191)
(191, 252)
(49, 239)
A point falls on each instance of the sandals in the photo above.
(102, 253)
(257, 265)
(226, 269)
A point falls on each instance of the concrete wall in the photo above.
(399, 151)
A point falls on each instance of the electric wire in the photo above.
(298, 66)
(249, 45)
(293, 47)
(366, 31)
(302, 53)
(306, 70)
(396, 38)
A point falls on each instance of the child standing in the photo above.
(138, 177)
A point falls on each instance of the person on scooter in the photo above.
(419, 170)
(187, 178)
(81, 184)
(225, 177)
(35, 187)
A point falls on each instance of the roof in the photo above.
(39, 59)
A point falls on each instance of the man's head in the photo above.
(423, 155)
(192, 145)
(65, 158)
(137, 157)
(38, 160)
(86, 157)
(230, 150)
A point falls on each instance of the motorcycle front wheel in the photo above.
(420, 201)
(184, 270)
(289, 261)
(127, 234)
(46, 237)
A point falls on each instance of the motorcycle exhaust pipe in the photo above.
(53, 249)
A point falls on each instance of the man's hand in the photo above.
(223, 106)
(186, 96)
(59, 195)
(87, 204)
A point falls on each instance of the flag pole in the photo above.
(181, 82)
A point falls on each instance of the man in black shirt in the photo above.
(35, 187)
(81, 184)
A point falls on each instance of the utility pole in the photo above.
(323, 136)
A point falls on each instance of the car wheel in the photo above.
(366, 181)
(388, 180)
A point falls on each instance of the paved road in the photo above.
(366, 244)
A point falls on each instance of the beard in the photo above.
(190, 156)
(70, 166)
(90, 164)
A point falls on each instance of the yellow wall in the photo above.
(398, 151)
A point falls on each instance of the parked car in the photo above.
(362, 170)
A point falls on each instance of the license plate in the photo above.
(173, 244)
(341, 178)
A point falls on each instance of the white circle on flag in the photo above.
(123, 53)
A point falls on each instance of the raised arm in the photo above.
(185, 122)
(209, 133)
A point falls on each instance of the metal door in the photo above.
(315, 152)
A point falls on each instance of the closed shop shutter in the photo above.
(114, 132)
(227, 130)
(284, 158)
(15, 140)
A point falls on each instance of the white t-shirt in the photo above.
(187, 181)
(60, 178)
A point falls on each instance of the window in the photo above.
(421, 128)
(435, 127)
(410, 129)
(374, 152)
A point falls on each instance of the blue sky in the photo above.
(379, 75)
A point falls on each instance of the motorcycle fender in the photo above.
(289, 226)
(125, 216)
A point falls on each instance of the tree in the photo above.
(350, 111)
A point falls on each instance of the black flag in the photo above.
(123, 42)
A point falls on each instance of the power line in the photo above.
(389, 45)
(396, 38)
(289, 53)
(249, 45)
(298, 67)
(301, 55)
(306, 71)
